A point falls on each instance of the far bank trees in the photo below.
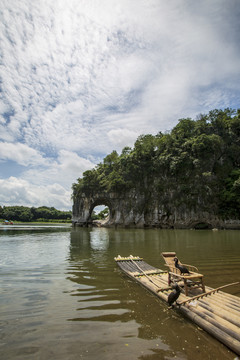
(43, 213)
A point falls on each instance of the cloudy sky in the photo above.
(80, 78)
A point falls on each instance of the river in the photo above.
(63, 296)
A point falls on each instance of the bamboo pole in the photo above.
(221, 329)
(229, 297)
(227, 301)
(148, 277)
(212, 329)
(219, 323)
(164, 288)
(215, 301)
(218, 303)
(226, 315)
(209, 323)
(126, 266)
(225, 324)
(206, 293)
(235, 298)
(234, 302)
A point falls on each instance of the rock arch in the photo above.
(101, 201)
(123, 210)
(83, 207)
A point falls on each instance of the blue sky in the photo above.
(82, 78)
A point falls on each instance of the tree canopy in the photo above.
(23, 213)
(197, 159)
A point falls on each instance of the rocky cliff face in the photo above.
(138, 210)
(187, 178)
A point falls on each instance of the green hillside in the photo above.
(196, 164)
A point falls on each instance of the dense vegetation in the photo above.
(101, 215)
(198, 161)
(43, 213)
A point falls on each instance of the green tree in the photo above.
(192, 164)
(25, 215)
(103, 214)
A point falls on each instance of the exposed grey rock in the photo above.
(135, 210)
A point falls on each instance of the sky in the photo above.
(81, 78)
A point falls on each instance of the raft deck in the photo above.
(215, 311)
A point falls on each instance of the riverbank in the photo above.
(34, 226)
(13, 222)
(200, 224)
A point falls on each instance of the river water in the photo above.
(63, 296)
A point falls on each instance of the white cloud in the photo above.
(21, 154)
(81, 78)
(21, 192)
(48, 185)
(64, 170)
(119, 138)
(69, 66)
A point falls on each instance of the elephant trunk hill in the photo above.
(187, 178)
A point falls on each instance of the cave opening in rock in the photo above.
(202, 226)
(100, 212)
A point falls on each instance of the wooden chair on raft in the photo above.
(193, 280)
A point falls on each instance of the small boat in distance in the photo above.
(6, 222)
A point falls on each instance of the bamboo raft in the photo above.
(215, 311)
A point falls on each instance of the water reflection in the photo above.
(63, 296)
(130, 314)
(99, 239)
